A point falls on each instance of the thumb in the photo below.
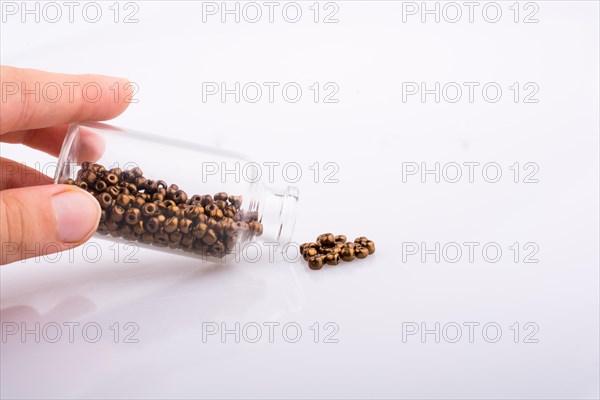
(40, 220)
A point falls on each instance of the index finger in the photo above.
(33, 99)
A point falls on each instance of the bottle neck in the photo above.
(277, 209)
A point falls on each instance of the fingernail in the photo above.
(77, 215)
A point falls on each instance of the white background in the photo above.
(369, 133)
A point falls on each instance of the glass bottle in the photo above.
(167, 194)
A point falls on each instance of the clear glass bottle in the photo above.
(207, 202)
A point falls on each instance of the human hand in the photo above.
(36, 216)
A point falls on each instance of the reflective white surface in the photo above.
(173, 305)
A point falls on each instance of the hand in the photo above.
(36, 216)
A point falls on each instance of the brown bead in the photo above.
(117, 171)
(111, 179)
(221, 204)
(172, 210)
(137, 172)
(305, 246)
(117, 213)
(132, 216)
(202, 218)
(180, 196)
(158, 197)
(88, 177)
(171, 225)
(213, 224)
(86, 165)
(195, 199)
(341, 239)
(140, 182)
(175, 237)
(133, 189)
(152, 225)
(218, 249)
(326, 239)
(360, 240)
(316, 262)
(219, 213)
(206, 200)
(192, 211)
(138, 202)
(135, 235)
(361, 252)
(187, 247)
(113, 191)
(221, 196)
(210, 237)
(128, 176)
(330, 250)
(98, 168)
(105, 200)
(100, 186)
(147, 237)
(102, 229)
(185, 225)
(236, 200)
(161, 184)
(151, 186)
(112, 225)
(187, 239)
(125, 231)
(256, 227)
(347, 253)
(148, 210)
(233, 228)
(332, 259)
(161, 239)
(229, 212)
(139, 227)
(200, 230)
(83, 185)
(309, 252)
(370, 245)
(211, 210)
(222, 225)
(169, 204)
(102, 215)
(124, 199)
